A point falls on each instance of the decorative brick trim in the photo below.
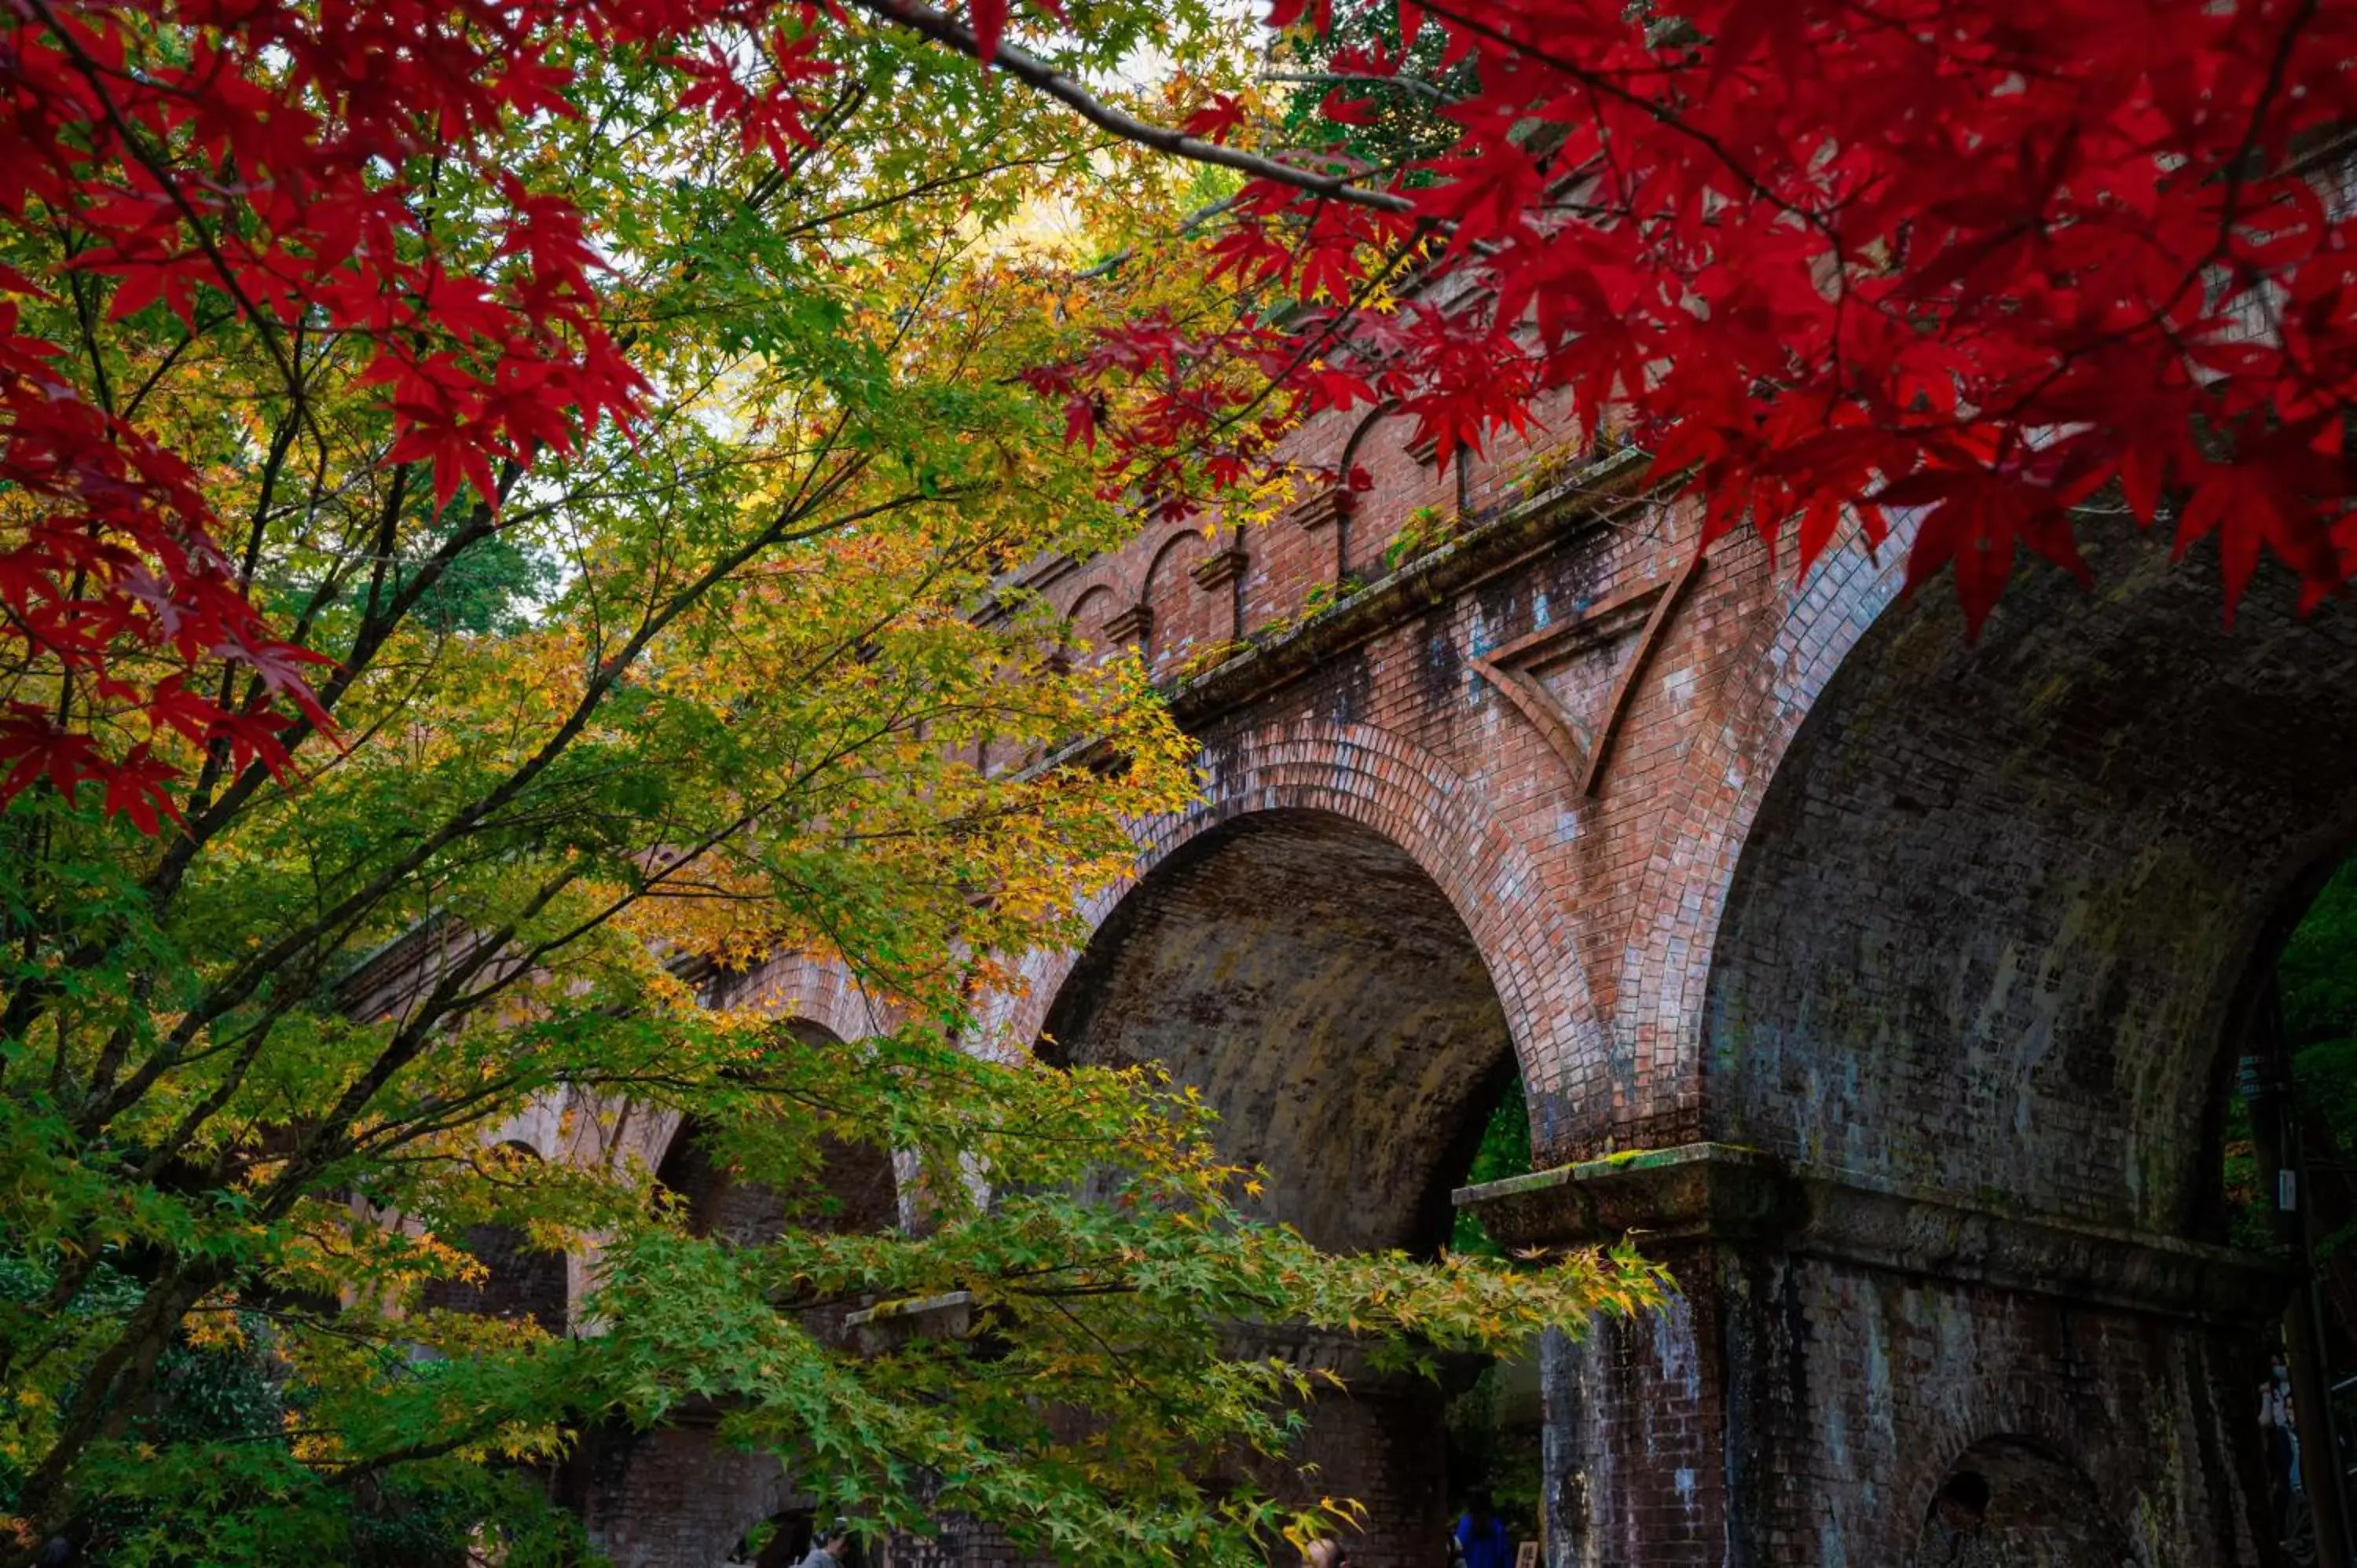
(1564, 734)
(1507, 668)
(1616, 708)
(1134, 624)
(1425, 450)
(1226, 566)
(1421, 804)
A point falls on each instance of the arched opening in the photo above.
(2008, 1503)
(855, 1189)
(1312, 981)
(675, 1494)
(1315, 984)
(2022, 885)
(784, 1539)
(2290, 1186)
(518, 1280)
(1994, 943)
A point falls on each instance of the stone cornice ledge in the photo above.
(1718, 1192)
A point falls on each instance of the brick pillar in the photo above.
(1837, 1354)
(674, 1497)
(1634, 1447)
(1381, 1438)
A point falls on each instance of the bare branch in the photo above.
(1037, 73)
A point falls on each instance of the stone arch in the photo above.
(1302, 973)
(1984, 951)
(856, 1189)
(1816, 643)
(519, 1280)
(807, 988)
(2028, 881)
(807, 991)
(1438, 820)
(2010, 1502)
(675, 1496)
(1347, 954)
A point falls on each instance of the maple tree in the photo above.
(1964, 261)
(1949, 266)
(535, 468)
(526, 499)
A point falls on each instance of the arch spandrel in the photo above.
(1798, 632)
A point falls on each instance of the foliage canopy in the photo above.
(543, 483)
(527, 501)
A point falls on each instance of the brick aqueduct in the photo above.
(1911, 971)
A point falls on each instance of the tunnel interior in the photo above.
(853, 1190)
(2008, 1502)
(1310, 979)
(1318, 987)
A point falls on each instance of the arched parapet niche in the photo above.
(1345, 950)
(1997, 908)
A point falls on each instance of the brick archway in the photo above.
(1347, 954)
(803, 990)
(518, 1280)
(853, 1190)
(1983, 961)
(2021, 887)
(2011, 1502)
(1304, 975)
(674, 1495)
(1441, 823)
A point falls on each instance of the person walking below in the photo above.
(830, 1548)
(1325, 1553)
(1480, 1535)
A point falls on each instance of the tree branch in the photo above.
(1037, 73)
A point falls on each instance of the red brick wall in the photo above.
(1966, 923)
